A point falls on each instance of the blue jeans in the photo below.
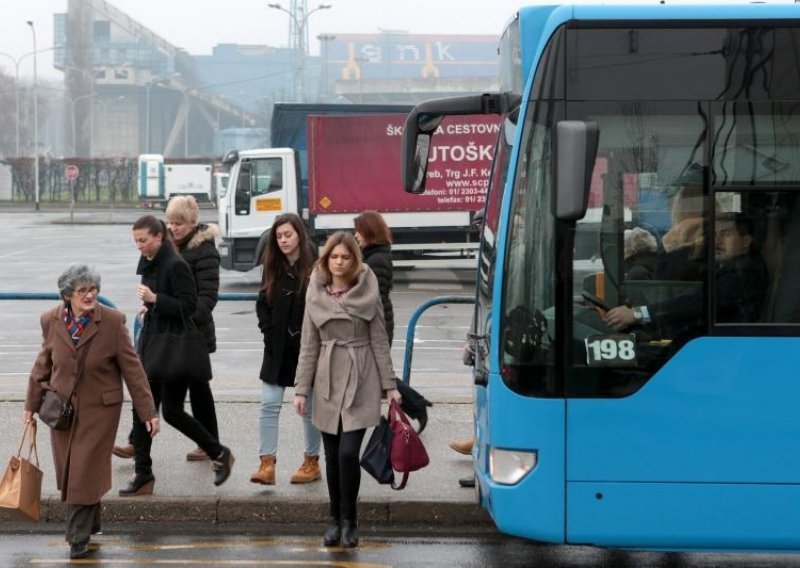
(269, 410)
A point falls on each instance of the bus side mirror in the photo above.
(576, 150)
(416, 143)
(425, 118)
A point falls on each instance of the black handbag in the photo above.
(174, 356)
(376, 459)
(56, 410)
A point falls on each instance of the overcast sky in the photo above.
(197, 25)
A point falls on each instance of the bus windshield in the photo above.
(692, 223)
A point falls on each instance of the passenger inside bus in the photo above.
(740, 279)
(684, 245)
(641, 254)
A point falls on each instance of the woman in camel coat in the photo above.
(346, 364)
(81, 329)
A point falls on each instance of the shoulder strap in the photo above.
(402, 483)
(397, 415)
(81, 367)
(32, 452)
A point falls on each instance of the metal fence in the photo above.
(111, 180)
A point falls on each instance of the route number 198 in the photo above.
(616, 350)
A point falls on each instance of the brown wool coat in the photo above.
(82, 455)
(344, 355)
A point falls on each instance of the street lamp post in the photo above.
(35, 120)
(300, 44)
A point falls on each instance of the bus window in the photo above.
(756, 248)
(529, 293)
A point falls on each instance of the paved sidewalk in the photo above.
(184, 491)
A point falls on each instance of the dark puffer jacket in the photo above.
(200, 253)
(379, 259)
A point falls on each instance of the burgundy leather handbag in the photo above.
(408, 451)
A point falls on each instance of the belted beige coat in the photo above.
(345, 361)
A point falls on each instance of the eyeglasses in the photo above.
(93, 290)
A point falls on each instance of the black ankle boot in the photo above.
(349, 534)
(223, 465)
(140, 484)
(333, 535)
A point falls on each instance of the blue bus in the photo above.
(635, 334)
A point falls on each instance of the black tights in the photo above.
(172, 396)
(203, 409)
(343, 471)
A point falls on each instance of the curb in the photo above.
(154, 510)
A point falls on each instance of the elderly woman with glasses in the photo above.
(86, 354)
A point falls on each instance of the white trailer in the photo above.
(158, 182)
(188, 179)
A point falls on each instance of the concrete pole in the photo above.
(35, 121)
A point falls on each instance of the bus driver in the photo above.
(740, 278)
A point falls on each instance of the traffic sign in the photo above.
(71, 172)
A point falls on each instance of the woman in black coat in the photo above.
(169, 294)
(280, 306)
(375, 239)
(196, 244)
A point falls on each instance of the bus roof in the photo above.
(537, 23)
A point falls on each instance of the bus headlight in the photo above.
(508, 467)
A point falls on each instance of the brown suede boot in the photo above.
(266, 471)
(308, 471)
(463, 447)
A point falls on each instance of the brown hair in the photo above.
(349, 242)
(373, 228)
(275, 264)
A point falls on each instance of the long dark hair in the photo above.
(154, 226)
(274, 263)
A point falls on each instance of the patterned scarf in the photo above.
(337, 295)
(76, 325)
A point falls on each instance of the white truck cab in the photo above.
(263, 184)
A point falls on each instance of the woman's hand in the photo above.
(27, 416)
(300, 404)
(145, 294)
(394, 394)
(153, 426)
